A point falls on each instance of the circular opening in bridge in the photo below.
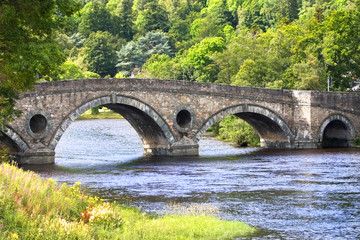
(38, 123)
(183, 118)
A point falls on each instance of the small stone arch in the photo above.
(342, 126)
(277, 134)
(16, 139)
(132, 110)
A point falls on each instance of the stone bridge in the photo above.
(171, 116)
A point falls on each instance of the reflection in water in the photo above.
(309, 194)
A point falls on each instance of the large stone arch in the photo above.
(338, 128)
(152, 129)
(18, 144)
(273, 130)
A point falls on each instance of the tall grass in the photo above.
(35, 208)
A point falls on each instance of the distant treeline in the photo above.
(291, 44)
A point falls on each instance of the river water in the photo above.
(298, 194)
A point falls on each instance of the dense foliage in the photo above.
(238, 132)
(286, 44)
(289, 44)
(28, 48)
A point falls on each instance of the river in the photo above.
(297, 194)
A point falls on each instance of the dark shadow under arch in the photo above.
(336, 131)
(272, 130)
(152, 129)
(10, 139)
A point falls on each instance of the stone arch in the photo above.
(13, 140)
(273, 130)
(336, 131)
(152, 129)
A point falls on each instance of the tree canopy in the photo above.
(136, 53)
(28, 49)
(291, 44)
(286, 44)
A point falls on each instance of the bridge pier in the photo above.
(304, 144)
(184, 147)
(38, 156)
(173, 151)
(275, 144)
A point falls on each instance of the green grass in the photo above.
(35, 208)
(103, 114)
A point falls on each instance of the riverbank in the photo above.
(103, 114)
(35, 208)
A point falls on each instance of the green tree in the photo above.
(151, 16)
(123, 19)
(154, 42)
(250, 14)
(100, 53)
(181, 17)
(136, 53)
(65, 44)
(212, 20)
(256, 73)
(233, 5)
(310, 74)
(237, 50)
(250, 60)
(88, 74)
(274, 11)
(266, 14)
(340, 46)
(321, 46)
(27, 46)
(129, 56)
(160, 66)
(199, 59)
(94, 17)
(238, 131)
(70, 70)
(77, 40)
(111, 5)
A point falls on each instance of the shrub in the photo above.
(238, 131)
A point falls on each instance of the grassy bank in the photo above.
(103, 114)
(35, 208)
